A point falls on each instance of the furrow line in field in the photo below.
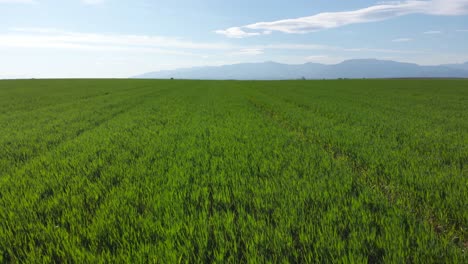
(78, 133)
(59, 186)
(92, 91)
(60, 183)
(384, 175)
(396, 133)
(284, 123)
(20, 114)
(361, 169)
(380, 109)
(398, 108)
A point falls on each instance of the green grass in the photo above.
(147, 171)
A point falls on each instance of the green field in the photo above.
(148, 171)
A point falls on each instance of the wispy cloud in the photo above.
(432, 32)
(462, 30)
(33, 37)
(335, 48)
(249, 52)
(176, 48)
(330, 20)
(402, 40)
(55, 38)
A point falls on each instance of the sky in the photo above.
(123, 38)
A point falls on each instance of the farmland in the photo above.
(154, 171)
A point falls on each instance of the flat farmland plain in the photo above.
(169, 171)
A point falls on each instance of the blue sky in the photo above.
(121, 38)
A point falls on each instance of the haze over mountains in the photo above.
(358, 68)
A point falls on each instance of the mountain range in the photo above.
(357, 68)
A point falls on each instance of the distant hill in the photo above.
(359, 68)
(462, 66)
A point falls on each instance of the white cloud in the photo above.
(462, 30)
(236, 32)
(432, 32)
(330, 20)
(402, 40)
